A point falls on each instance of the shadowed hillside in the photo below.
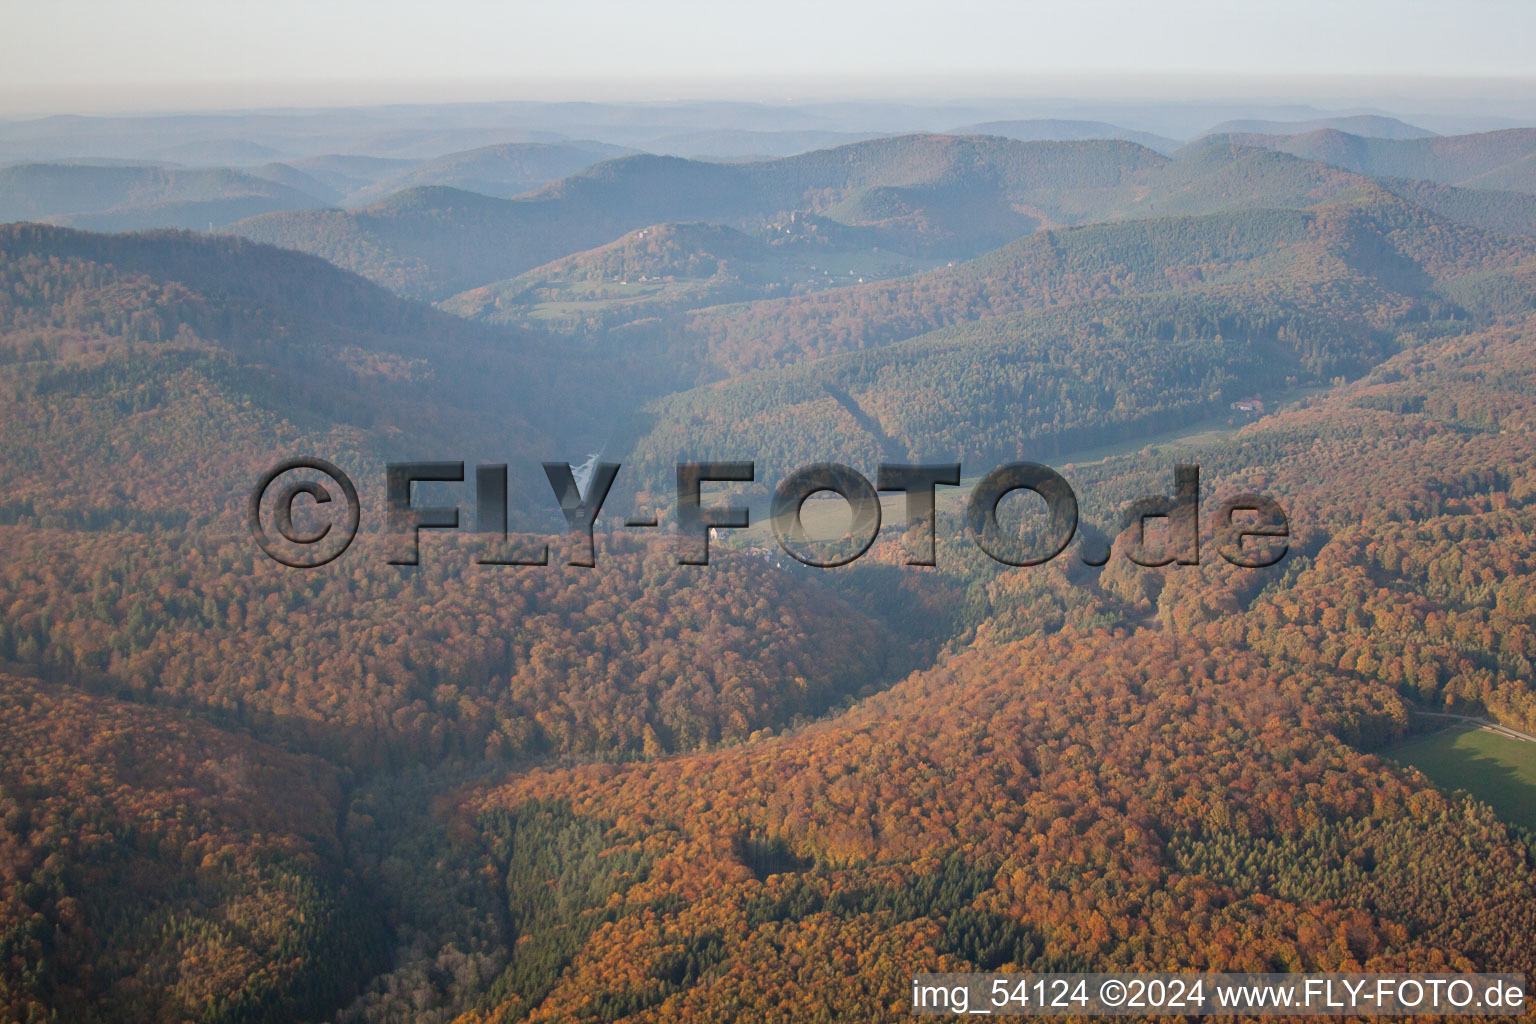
(197, 358)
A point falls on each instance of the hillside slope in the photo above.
(132, 198)
(1077, 338)
(939, 194)
(1057, 267)
(504, 171)
(202, 359)
(159, 868)
(1095, 797)
(1499, 159)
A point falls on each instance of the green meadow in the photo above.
(1496, 769)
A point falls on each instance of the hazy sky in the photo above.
(102, 54)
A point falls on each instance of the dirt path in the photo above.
(1482, 723)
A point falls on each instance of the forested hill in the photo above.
(1087, 336)
(129, 198)
(1041, 270)
(433, 242)
(932, 195)
(816, 285)
(1494, 160)
(1372, 230)
(1073, 792)
(291, 285)
(193, 361)
(158, 868)
(505, 171)
(185, 725)
(812, 253)
(1370, 126)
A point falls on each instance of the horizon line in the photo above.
(270, 96)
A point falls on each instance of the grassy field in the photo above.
(1495, 769)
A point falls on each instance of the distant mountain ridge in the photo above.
(960, 195)
(134, 197)
(502, 171)
(815, 253)
(1047, 129)
(742, 144)
(1374, 126)
(1502, 159)
(1144, 324)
